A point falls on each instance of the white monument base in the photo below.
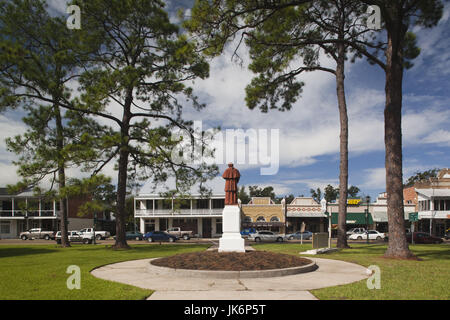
(231, 240)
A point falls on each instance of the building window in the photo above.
(247, 219)
(219, 226)
(5, 227)
(424, 205)
(274, 219)
(203, 204)
(261, 219)
(6, 205)
(218, 203)
(47, 205)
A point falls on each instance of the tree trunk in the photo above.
(121, 241)
(61, 175)
(398, 246)
(343, 166)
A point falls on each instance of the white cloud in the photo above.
(441, 137)
(375, 178)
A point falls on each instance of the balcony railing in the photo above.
(21, 213)
(182, 212)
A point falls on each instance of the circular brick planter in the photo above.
(229, 274)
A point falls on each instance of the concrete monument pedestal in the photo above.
(231, 240)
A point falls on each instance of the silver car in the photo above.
(268, 236)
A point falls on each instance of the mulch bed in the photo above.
(231, 261)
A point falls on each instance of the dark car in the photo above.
(422, 237)
(133, 235)
(159, 236)
(300, 235)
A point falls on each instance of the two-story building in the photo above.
(23, 211)
(432, 201)
(199, 214)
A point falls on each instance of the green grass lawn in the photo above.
(39, 272)
(400, 279)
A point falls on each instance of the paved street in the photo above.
(191, 241)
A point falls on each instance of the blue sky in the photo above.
(309, 133)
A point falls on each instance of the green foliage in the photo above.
(97, 189)
(353, 191)
(243, 195)
(316, 194)
(39, 59)
(421, 176)
(331, 193)
(142, 67)
(284, 38)
(256, 191)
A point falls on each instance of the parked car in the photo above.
(307, 235)
(177, 232)
(423, 237)
(355, 231)
(373, 235)
(133, 235)
(99, 235)
(37, 233)
(157, 236)
(75, 236)
(248, 231)
(263, 235)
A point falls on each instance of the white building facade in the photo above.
(202, 216)
(432, 200)
(24, 211)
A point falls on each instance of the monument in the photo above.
(231, 240)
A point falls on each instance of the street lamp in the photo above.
(324, 204)
(284, 201)
(367, 217)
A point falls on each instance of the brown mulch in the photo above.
(231, 261)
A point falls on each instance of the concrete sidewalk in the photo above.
(294, 287)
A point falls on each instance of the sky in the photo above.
(309, 132)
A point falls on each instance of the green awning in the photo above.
(353, 218)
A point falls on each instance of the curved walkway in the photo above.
(294, 287)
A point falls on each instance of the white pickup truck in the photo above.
(99, 235)
(75, 236)
(37, 233)
(177, 232)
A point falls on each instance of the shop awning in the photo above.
(353, 218)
